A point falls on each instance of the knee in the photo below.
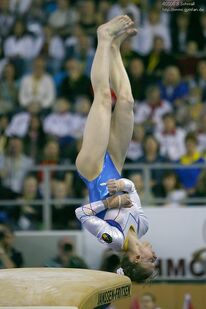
(103, 95)
(126, 98)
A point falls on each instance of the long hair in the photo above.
(137, 272)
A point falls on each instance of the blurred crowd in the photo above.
(46, 53)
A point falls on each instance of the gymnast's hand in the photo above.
(117, 201)
(115, 186)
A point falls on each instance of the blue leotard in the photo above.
(96, 190)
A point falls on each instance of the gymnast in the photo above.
(114, 214)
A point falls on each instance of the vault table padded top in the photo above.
(81, 288)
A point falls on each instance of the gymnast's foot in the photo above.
(114, 27)
(116, 43)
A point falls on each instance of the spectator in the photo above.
(35, 139)
(37, 87)
(10, 257)
(3, 59)
(63, 19)
(151, 156)
(79, 47)
(88, 17)
(4, 121)
(153, 26)
(189, 177)
(181, 33)
(201, 34)
(22, 47)
(201, 134)
(171, 190)
(151, 111)
(53, 50)
(135, 149)
(138, 78)
(14, 165)
(37, 15)
(137, 179)
(63, 214)
(8, 89)
(60, 123)
(28, 216)
(200, 190)
(20, 7)
(171, 138)
(76, 84)
(110, 261)
(6, 18)
(200, 79)
(148, 301)
(123, 7)
(66, 256)
(157, 59)
(187, 62)
(172, 88)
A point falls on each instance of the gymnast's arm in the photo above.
(98, 227)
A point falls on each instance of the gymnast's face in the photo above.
(144, 253)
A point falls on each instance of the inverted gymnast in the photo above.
(114, 214)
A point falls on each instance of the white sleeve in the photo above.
(50, 94)
(103, 231)
(25, 95)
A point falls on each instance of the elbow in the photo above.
(78, 213)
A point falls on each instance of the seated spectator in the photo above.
(8, 89)
(148, 301)
(201, 34)
(189, 177)
(138, 78)
(66, 256)
(14, 165)
(152, 26)
(63, 214)
(172, 88)
(37, 87)
(63, 19)
(201, 134)
(151, 156)
(6, 18)
(191, 110)
(135, 149)
(150, 112)
(188, 61)
(171, 138)
(61, 122)
(158, 59)
(81, 110)
(88, 17)
(125, 7)
(128, 52)
(10, 257)
(28, 216)
(20, 7)
(22, 47)
(200, 79)
(137, 179)
(200, 190)
(110, 261)
(181, 33)
(37, 15)
(76, 84)
(52, 50)
(35, 139)
(50, 156)
(4, 121)
(171, 190)
(79, 46)
(3, 59)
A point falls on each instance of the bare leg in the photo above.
(123, 117)
(97, 130)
